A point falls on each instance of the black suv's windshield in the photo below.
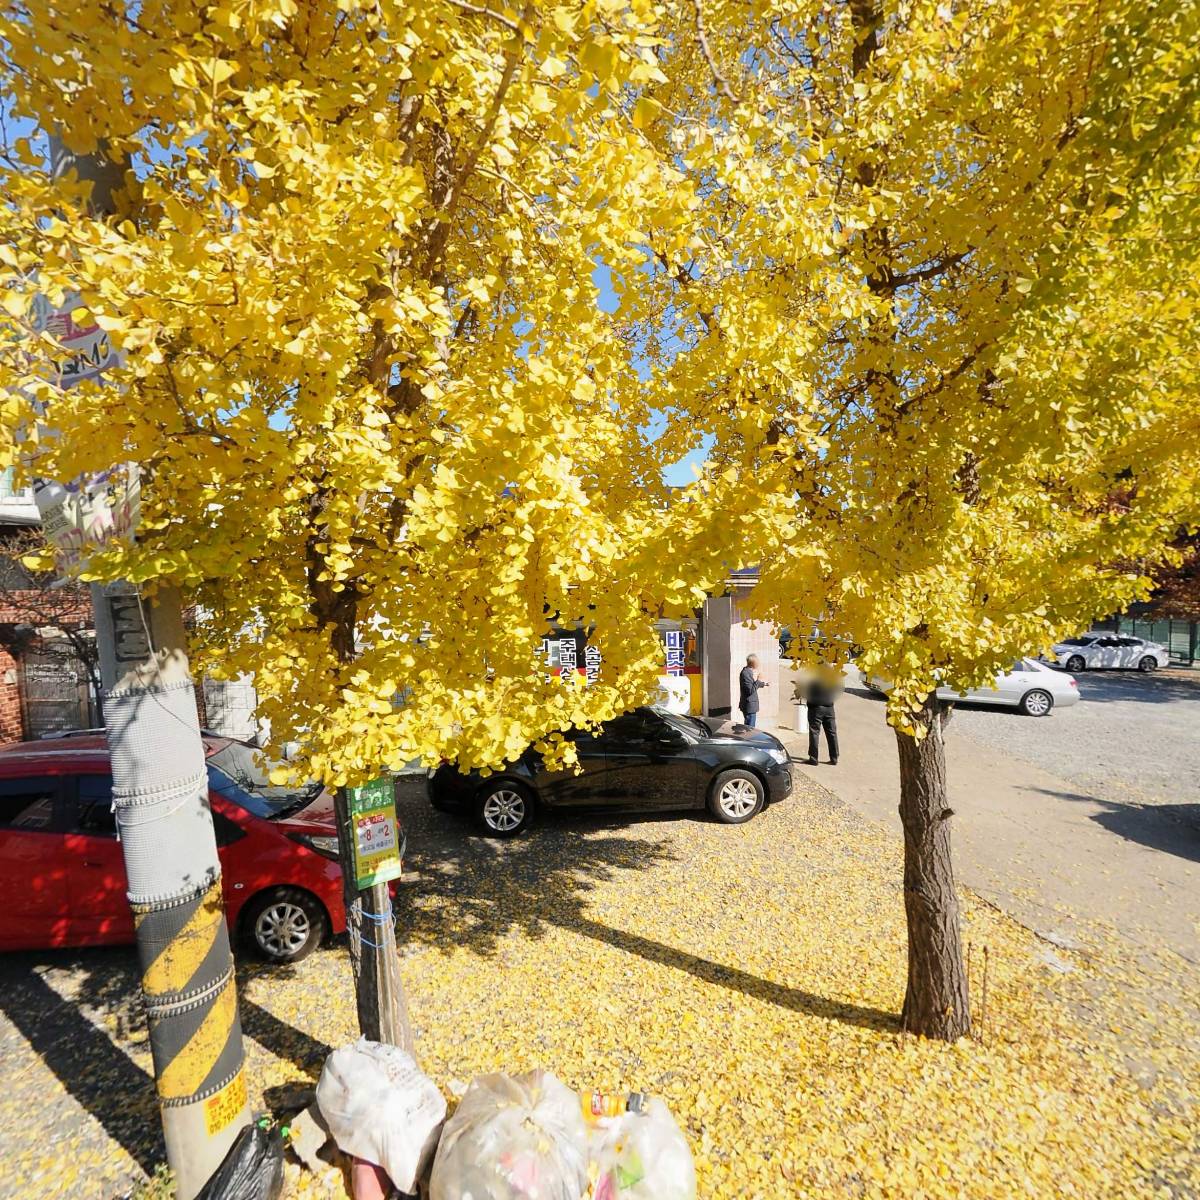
(241, 774)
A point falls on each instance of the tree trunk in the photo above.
(382, 1008)
(936, 1002)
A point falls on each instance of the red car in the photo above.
(62, 877)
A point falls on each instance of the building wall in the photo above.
(11, 725)
(762, 641)
(1182, 638)
(229, 707)
(716, 701)
(21, 652)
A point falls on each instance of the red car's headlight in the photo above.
(327, 847)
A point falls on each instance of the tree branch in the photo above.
(928, 272)
(477, 10)
(702, 37)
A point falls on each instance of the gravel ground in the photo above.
(1132, 739)
(750, 976)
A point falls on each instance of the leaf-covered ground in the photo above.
(750, 976)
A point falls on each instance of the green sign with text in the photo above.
(376, 834)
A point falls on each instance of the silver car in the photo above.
(1028, 685)
(1116, 651)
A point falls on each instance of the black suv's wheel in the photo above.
(1147, 664)
(1075, 663)
(285, 924)
(505, 809)
(1036, 703)
(735, 797)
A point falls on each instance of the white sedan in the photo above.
(1027, 685)
(1115, 650)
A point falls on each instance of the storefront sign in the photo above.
(545, 650)
(673, 640)
(674, 693)
(78, 518)
(373, 822)
(87, 350)
(591, 663)
(566, 656)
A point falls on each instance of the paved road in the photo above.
(1067, 821)
(1134, 738)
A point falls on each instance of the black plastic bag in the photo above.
(252, 1170)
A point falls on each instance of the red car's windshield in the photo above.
(241, 774)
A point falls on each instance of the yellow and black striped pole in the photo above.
(160, 796)
(191, 1006)
(160, 792)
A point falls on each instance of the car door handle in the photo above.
(89, 863)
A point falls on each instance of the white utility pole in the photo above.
(160, 796)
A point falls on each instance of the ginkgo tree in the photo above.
(387, 434)
(922, 272)
(950, 373)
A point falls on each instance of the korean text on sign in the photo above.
(674, 643)
(566, 656)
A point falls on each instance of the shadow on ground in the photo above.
(462, 889)
(64, 1035)
(1171, 828)
(469, 890)
(85, 1040)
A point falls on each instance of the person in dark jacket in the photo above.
(748, 685)
(821, 695)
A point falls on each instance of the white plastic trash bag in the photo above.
(513, 1139)
(382, 1108)
(641, 1156)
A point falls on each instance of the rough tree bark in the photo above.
(936, 1003)
(379, 992)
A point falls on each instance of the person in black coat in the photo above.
(748, 685)
(821, 695)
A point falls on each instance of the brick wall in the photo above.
(80, 612)
(12, 714)
(11, 725)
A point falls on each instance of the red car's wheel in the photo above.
(286, 924)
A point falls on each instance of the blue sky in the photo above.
(682, 472)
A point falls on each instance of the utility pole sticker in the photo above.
(226, 1106)
(376, 838)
